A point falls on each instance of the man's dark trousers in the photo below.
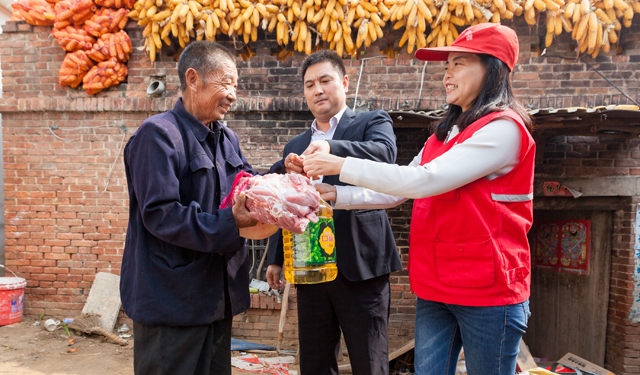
(360, 308)
(165, 350)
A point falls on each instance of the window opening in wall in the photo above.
(257, 249)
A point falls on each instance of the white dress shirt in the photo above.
(490, 152)
(319, 135)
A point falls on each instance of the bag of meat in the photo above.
(288, 201)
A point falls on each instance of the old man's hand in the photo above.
(241, 213)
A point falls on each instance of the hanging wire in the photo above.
(422, 82)
(3, 266)
(355, 100)
(114, 164)
(55, 127)
(124, 134)
(54, 134)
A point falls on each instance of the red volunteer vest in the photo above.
(469, 246)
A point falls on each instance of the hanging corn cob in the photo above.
(104, 75)
(35, 12)
(105, 21)
(73, 12)
(76, 23)
(116, 45)
(116, 4)
(72, 39)
(349, 25)
(74, 67)
(346, 25)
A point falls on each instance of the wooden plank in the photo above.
(401, 350)
(393, 355)
(344, 368)
(587, 133)
(525, 359)
(558, 323)
(613, 186)
(587, 204)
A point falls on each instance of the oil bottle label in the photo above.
(316, 246)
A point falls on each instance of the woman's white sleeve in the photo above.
(489, 150)
(354, 197)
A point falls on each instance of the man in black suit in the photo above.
(357, 301)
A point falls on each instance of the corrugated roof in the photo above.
(613, 120)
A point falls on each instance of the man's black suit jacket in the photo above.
(364, 241)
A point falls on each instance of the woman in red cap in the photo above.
(469, 261)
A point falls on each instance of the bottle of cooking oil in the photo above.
(310, 257)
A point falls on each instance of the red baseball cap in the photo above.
(492, 39)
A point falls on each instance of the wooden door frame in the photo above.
(603, 204)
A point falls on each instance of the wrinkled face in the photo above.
(325, 90)
(215, 93)
(463, 79)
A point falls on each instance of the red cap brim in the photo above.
(440, 53)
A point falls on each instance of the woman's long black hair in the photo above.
(496, 95)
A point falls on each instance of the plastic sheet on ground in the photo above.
(246, 345)
(271, 365)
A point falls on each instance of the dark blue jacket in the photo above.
(178, 242)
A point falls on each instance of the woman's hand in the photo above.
(322, 164)
(327, 192)
(317, 146)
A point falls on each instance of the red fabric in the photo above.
(485, 38)
(467, 248)
(228, 200)
(560, 369)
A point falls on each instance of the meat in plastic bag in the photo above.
(288, 201)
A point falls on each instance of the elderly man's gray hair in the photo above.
(204, 57)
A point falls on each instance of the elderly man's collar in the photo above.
(199, 129)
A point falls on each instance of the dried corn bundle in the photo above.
(350, 25)
(72, 38)
(293, 21)
(414, 16)
(594, 23)
(76, 23)
(243, 19)
(104, 75)
(181, 18)
(106, 21)
(74, 67)
(368, 18)
(35, 12)
(116, 45)
(73, 12)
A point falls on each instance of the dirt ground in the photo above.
(26, 349)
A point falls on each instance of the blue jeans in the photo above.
(490, 336)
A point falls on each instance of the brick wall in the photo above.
(62, 230)
(567, 157)
(623, 338)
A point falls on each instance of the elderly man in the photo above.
(185, 270)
